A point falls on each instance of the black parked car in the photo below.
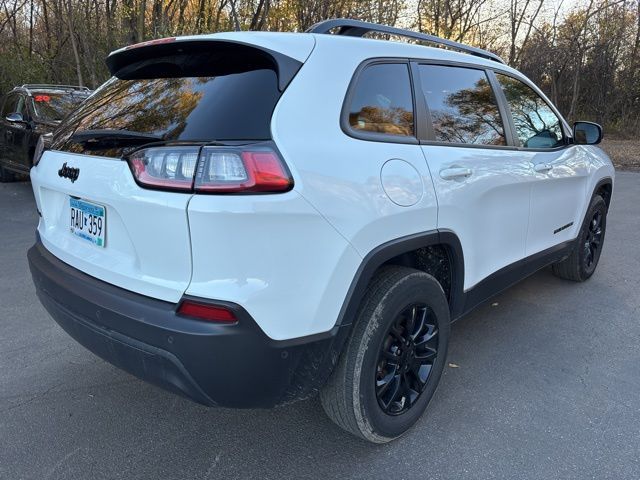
(28, 112)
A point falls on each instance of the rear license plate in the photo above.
(88, 221)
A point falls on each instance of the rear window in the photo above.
(234, 106)
(54, 106)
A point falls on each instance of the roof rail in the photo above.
(357, 28)
(53, 86)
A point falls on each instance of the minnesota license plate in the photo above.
(88, 221)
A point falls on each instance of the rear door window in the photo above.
(463, 107)
(382, 102)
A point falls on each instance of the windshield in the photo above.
(54, 106)
(193, 109)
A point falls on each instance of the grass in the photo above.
(625, 154)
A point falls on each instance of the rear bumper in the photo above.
(212, 364)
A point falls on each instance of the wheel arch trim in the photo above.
(604, 181)
(393, 248)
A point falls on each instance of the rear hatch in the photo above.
(170, 100)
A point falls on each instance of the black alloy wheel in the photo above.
(593, 240)
(392, 363)
(585, 255)
(406, 359)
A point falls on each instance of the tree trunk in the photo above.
(74, 43)
(141, 18)
(129, 22)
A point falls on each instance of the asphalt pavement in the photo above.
(543, 382)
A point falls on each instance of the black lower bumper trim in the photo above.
(212, 364)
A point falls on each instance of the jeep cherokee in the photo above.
(247, 218)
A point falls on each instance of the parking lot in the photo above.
(542, 382)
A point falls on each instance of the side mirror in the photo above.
(543, 139)
(587, 133)
(15, 118)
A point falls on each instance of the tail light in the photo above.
(203, 311)
(43, 143)
(223, 170)
(170, 168)
(254, 168)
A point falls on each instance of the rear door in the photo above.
(10, 129)
(560, 170)
(3, 102)
(482, 182)
(19, 135)
(145, 245)
(90, 177)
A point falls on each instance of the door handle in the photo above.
(455, 172)
(542, 167)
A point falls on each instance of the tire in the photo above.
(358, 396)
(6, 175)
(583, 260)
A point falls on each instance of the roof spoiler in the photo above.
(174, 57)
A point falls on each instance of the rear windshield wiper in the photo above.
(113, 137)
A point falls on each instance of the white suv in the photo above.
(250, 218)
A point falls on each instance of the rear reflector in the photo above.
(202, 311)
(251, 168)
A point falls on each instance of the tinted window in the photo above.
(54, 106)
(382, 101)
(10, 104)
(198, 109)
(462, 104)
(20, 108)
(536, 124)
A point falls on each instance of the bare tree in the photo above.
(522, 17)
(587, 58)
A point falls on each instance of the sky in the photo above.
(548, 9)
